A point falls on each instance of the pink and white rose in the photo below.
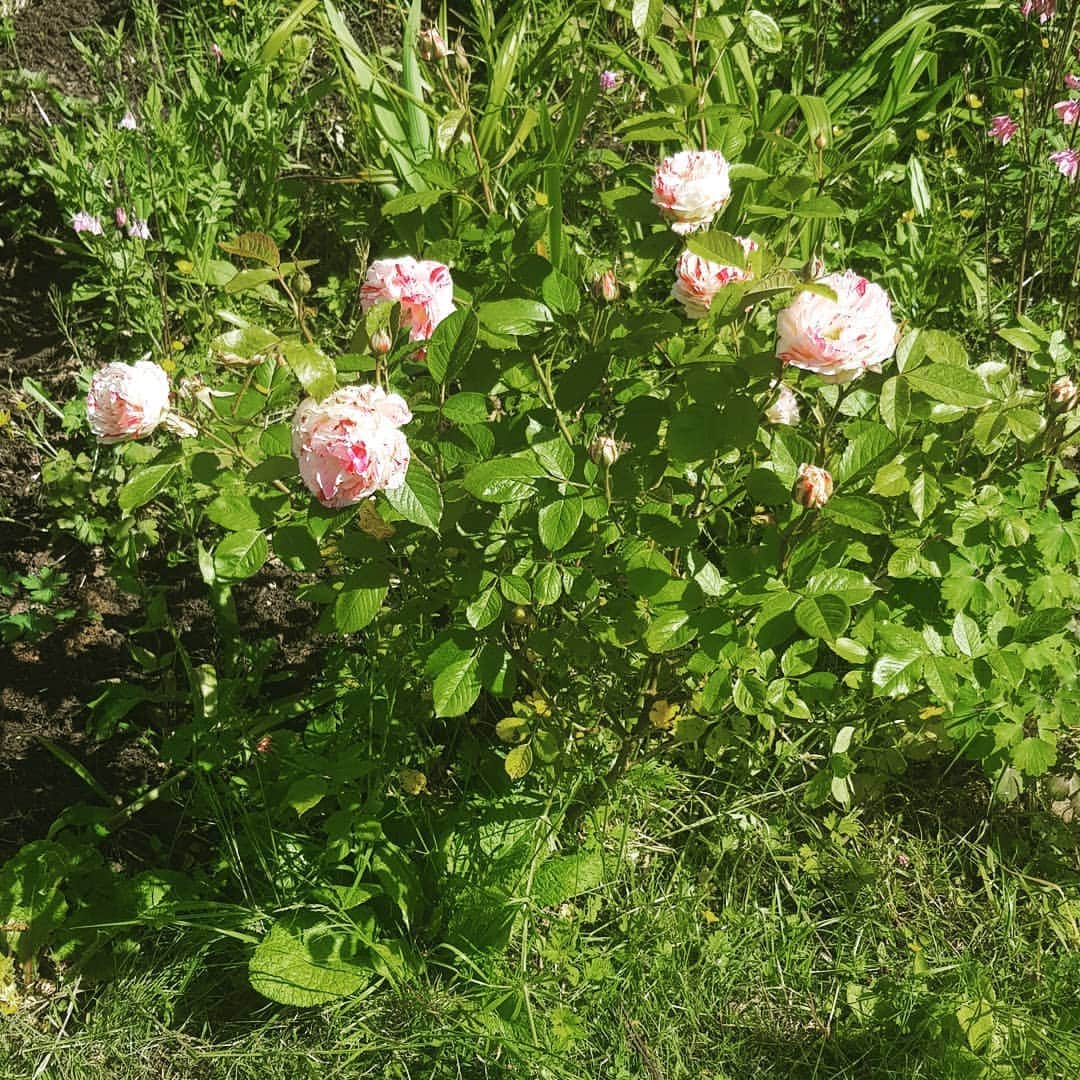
(813, 487)
(348, 445)
(698, 280)
(127, 401)
(1064, 394)
(839, 339)
(691, 188)
(785, 408)
(423, 287)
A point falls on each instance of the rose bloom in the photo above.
(698, 280)
(1002, 128)
(127, 401)
(1043, 8)
(813, 487)
(348, 445)
(1068, 111)
(785, 409)
(1072, 82)
(1064, 394)
(691, 188)
(1067, 162)
(424, 289)
(842, 338)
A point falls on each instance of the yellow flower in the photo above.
(541, 198)
(966, 214)
(5, 418)
(1020, 93)
(184, 266)
(1044, 42)
(413, 782)
(837, 130)
(973, 101)
(922, 134)
(168, 364)
(538, 704)
(907, 216)
(950, 152)
(662, 714)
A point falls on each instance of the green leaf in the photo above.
(233, 512)
(518, 761)
(763, 31)
(561, 293)
(547, 586)
(501, 480)
(302, 962)
(250, 279)
(924, 495)
(669, 630)
(312, 367)
(866, 450)
(457, 686)
(1021, 339)
(296, 548)
(965, 632)
(245, 343)
(825, 616)
(920, 190)
(486, 607)
(857, 512)
(360, 599)
(563, 877)
(451, 345)
(717, 247)
(144, 485)
(253, 245)
(419, 499)
(1034, 756)
(306, 793)
(1041, 624)
(645, 17)
(897, 673)
(30, 896)
(515, 317)
(466, 408)
(949, 384)
(241, 554)
(559, 521)
(411, 200)
(895, 403)
(849, 585)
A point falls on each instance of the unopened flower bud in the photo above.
(813, 486)
(413, 782)
(607, 286)
(462, 60)
(301, 283)
(814, 269)
(1064, 395)
(604, 451)
(432, 45)
(121, 217)
(821, 140)
(381, 341)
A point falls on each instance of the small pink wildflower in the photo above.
(215, 51)
(1068, 111)
(139, 229)
(1043, 8)
(1072, 82)
(1067, 162)
(608, 80)
(1002, 129)
(121, 217)
(84, 222)
(128, 122)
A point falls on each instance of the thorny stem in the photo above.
(460, 101)
(545, 383)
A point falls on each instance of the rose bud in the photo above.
(813, 486)
(432, 45)
(838, 339)
(785, 409)
(381, 341)
(606, 286)
(604, 451)
(127, 401)
(1063, 395)
(265, 744)
(348, 445)
(691, 188)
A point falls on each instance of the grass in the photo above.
(757, 940)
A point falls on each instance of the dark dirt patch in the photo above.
(43, 39)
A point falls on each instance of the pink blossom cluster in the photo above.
(1045, 9)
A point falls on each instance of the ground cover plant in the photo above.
(559, 523)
